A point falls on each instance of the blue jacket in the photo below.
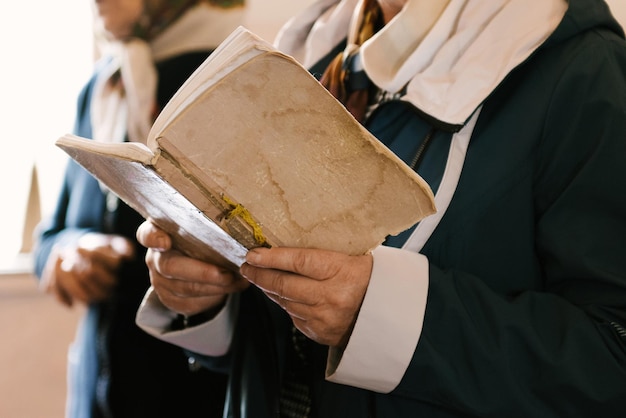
(116, 368)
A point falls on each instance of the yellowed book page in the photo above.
(270, 138)
(132, 151)
(239, 47)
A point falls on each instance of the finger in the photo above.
(189, 286)
(50, 285)
(175, 265)
(122, 246)
(106, 257)
(185, 289)
(305, 262)
(107, 243)
(151, 236)
(295, 309)
(106, 249)
(330, 333)
(185, 276)
(99, 284)
(190, 306)
(114, 250)
(282, 284)
(84, 280)
(68, 284)
(63, 297)
(48, 275)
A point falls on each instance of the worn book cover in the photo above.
(253, 150)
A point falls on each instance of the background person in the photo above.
(87, 253)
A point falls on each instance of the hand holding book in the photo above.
(253, 151)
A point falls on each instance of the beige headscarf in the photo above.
(124, 99)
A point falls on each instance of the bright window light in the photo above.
(47, 57)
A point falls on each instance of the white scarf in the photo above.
(450, 69)
(128, 107)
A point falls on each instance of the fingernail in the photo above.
(161, 244)
(242, 271)
(253, 256)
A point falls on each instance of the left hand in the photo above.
(86, 271)
(321, 290)
(185, 285)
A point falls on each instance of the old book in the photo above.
(253, 151)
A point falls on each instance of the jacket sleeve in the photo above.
(556, 349)
(387, 332)
(57, 229)
(67, 223)
(209, 339)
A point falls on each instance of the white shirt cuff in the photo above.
(388, 326)
(211, 338)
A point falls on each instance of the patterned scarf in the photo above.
(348, 84)
(160, 14)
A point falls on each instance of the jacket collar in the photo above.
(467, 53)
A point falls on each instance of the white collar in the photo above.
(450, 70)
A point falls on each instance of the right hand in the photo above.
(86, 272)
(185, 285)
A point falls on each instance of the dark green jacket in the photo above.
(526, 310)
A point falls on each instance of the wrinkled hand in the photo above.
(183, 284)
(86, 272)
(322, 291)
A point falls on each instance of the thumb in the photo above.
(122, 246)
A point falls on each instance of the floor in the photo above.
(36, 332)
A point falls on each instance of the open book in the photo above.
(253, 151)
